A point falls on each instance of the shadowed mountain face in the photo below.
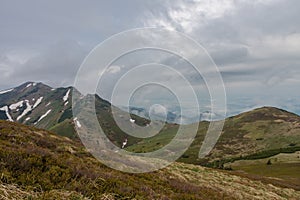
(37, 164)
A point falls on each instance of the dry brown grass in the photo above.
(237, 187)
(14, 192)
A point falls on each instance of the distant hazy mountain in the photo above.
(173, 116)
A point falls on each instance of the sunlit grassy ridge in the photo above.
(262, 132)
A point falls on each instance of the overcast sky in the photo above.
(255, 43)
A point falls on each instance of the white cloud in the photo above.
(113, 69)
(187, 15)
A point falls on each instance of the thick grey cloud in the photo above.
(55, 65)
(255, 44)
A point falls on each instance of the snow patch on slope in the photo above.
(77, 122)
(30, 84)
(37, 102)
(27, 110)
(65, 98)
(124, 143)
(16, 105)
(43, 116)
(5, 108)
(5, 91)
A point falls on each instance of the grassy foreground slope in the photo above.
(36, 164)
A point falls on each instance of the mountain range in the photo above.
(255, 135)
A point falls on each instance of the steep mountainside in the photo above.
(36, 104)
(37, 164)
